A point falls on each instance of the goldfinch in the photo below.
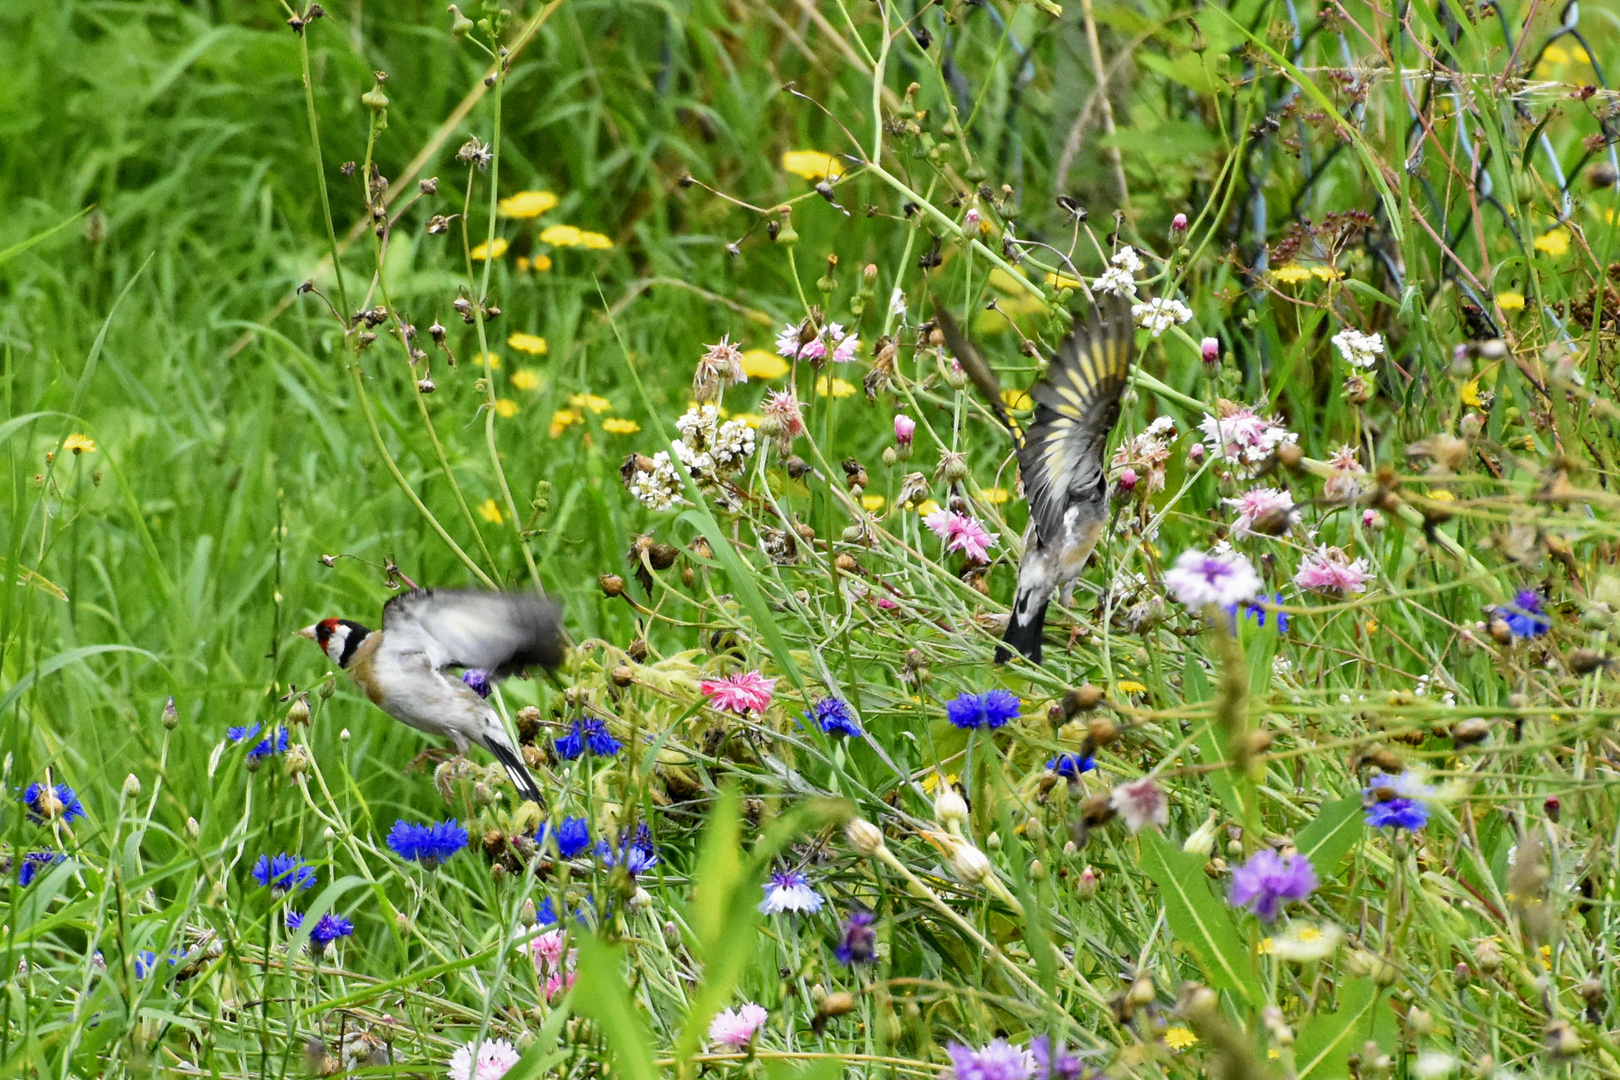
(1060, 457)
(403, 668)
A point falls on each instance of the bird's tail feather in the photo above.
(512, 760)
(1024, 633)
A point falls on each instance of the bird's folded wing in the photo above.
(501, 633)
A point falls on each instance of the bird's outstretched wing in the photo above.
(1076, 406)
(974, 364)
(498, 632)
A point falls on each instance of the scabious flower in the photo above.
(991, 709)
(1204, 578)
(1243, 438)
(961, 533)
(790, 892)
(1525, 617)
(587, 734)
(1348, 478)
(816, 349)
(1160, 314)
(998, 1060)
(572, 836)
(1396, 802)
(1273, 508)
(31, 865)
(1070, 766)
(1267, 880)
(47, 802)
(787, 411)
(1054, 1062)
(477, 680)
(858, 944)
(1141, 803)
(736, 1027)
(494, 1058)
(327, 929)
(747, 691)
(427, 844)
(283, 873)
(1359, 350)
(834, 717)
(1329, 569)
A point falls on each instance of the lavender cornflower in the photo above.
(859, 943)
(1054, 1062)
(283, 873)
(997, 1061)
(572, 836)
(833, 715)
(1396, 802)
(991, 709)
(1267, 880)
(1200, 579)
(1070, 766)
(48, 802)
(35, 863)
(427, 844)
(1525, 617)
(477, 680)
(588, 734)
(327, 929)
(790, 892)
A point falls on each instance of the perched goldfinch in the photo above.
(1061, 457)
(403, 668)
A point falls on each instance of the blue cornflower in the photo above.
(790, 892)
(588, 734)
(834, 716)
(1070, 766)
(635, 852)
(572, 836)
(274, 743)
(242, 734)
(1396, 802)
(477, 680)
(146, 960)
(991, 709)
(1253, 610)
(327, 929)
(283, 873)
(1525, 617)
(35, 863)
(1268, 880)
(427, 844)
(859, 944)
(546, 913)
(51, 802)
(1054, 1062)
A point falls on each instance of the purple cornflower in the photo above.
(35, 863)
(327, 929)
(47, 802)
(572, 836)
(1267, 880)
(859, 944)
(996, 1061)
(477, 680)
(1070, 766)
(1525, 617)
(283, 873)
(588, 734)
(833, 715)
(427, 844)
(991, 709)
(1054, 1062)
(1201, 579)
(1396, 802)
(790, 892)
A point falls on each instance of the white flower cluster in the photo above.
(660, 488)
(1128, 260)
(709, 448)
(1160, 314)
(1120, 278)
(1359, 350)
(1244, 438)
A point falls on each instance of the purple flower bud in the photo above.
(1210, 350)
(1178, 224)
(904, 428)
(1127, 481)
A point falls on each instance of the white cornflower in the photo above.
(1141, 803)
(790, 892)
(1160, 314)
(1359, 350)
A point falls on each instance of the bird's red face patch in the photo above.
(324, 630)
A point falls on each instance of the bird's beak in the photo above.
(308, 631)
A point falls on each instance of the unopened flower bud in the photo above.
(865, 838)
(950, 809)
(1141, 992)
(612, 584)
(1086, 883)
(298, 712)
(193, 828)
(171, 715)
(968, 864)
(1210, 350)
(132, 786)
(1178, 225)
(1195, 454)
(1202, 841)
(1127, 480)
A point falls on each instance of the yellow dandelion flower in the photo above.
(561, 236)
(933, 780)
(837, 387)
(525, 379)
(1580, 55)
(490, 249)
(872, 503)
(1179, 1038)
(540, 263)
(1060, 281)
(618, 425)
(1554, 243)
(1267, 946)
(1510, 301)
(927, 506)
(527, 204)
(1470, 394)
(997, 496)
(1555, 54)
(506, 408)
(522, 264)
(594, 240)
(1372, 626)
(1273, 1053)
(493, 358)
(763, 364)
(533, 344)
(1327, 273)
(597, 405)
(563, 419)
(751, 419)
(1017, 400)
(490, 512)
(1291, 275)
(812, 165)
(1131, 686)
(1441, 495)
(79, 444)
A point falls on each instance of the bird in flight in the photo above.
(404, 668)
(1060, 457)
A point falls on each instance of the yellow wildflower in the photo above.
(872, 502)
(506, 408)
(1130, 686)
(1267, 946)
(1273, 1053)
(79, 444)
(1554, 243)
(1441, 495)
(561, 236)
(996, 496)
(1017, 400)
(837, 388)
(618, 425)
(490, 512)
(812, 165)
(1179, 1038)
(563, 419)
(594, 240)
(1061, 281)
(927, 506)
(1291, 274)
(539, 264)
(933, 780)
(597, 405)
(533, 344)
(1510, 301)
(1327, 273)
(753, 420)
(493, 358)
(527, 204)
(1555, 54)
(1579, 55)
(1372, 626)
(763, 364)
(525, 379)
(1470, 393)
(490, 250)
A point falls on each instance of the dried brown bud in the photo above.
(637, 650)
(1470, 731)
(1081, 698)
(623, 675)
(612, 584)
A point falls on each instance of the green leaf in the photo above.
(1328, 1036)
(58, 662)
(1198, 919)
(1328, 838)
(825, 1069)
(602, 994)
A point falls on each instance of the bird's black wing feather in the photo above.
(498, 632)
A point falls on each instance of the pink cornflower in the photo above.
(495, 1059)
(1264, 503)
(740, 693)
(1243, 437)
(787, 410)
(1347, 480)
(1201, 579)
(1141, 803)
(736, 1027)
(843, 346)
(548, 950)
(961, 533)
(1329, 569)
(904, 428)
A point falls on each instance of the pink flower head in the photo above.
(1259, 503)
(1329, 569)
(904, 428)
(961, 533)
(787, 410)
(843, 345)
(1127, 481)
(736, 1027)
(1178, 224)
(1200, 579)
(741, 693)
(787, 345)
(495, 1058)
(1210, 350)
(1141, 803)
(1347, 480)
(548, 951)
(559, 983)
(1243, 437)
(1195, 453)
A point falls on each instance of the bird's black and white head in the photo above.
(339, 638)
